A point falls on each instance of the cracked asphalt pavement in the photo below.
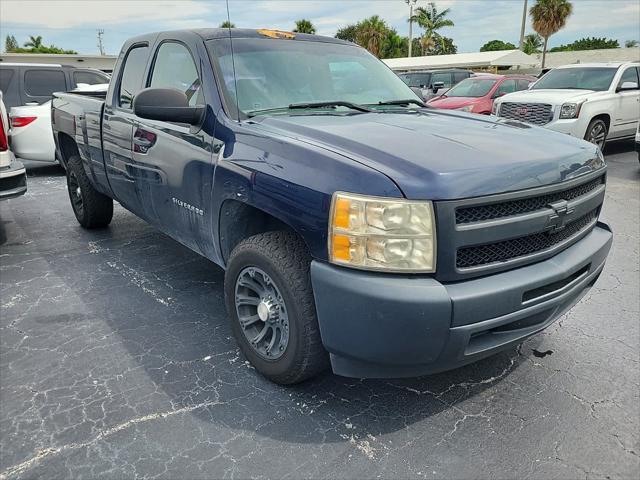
(117, 360)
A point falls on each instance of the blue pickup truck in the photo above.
(357, 228)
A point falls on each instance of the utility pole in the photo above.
(411, 3)
(524, 21)
(100, 45)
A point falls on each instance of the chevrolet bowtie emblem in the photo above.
(561, 214)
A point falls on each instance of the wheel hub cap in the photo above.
(262, 313)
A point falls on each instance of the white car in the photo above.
(596, 102)
(31, 133)
(13, 177)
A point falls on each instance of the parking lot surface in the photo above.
(117, 360)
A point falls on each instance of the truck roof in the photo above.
(213, 33)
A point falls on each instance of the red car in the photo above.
(476, 94)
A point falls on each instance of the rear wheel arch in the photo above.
(68, 147)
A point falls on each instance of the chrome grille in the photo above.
(518, 247)
(485, 235)
(534, 113)
(524, 205)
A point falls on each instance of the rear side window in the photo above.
(629, 75)
(42, 83)
(459, 76)
(6, 74)
(174, 68)
(89, 78)
(131, 80)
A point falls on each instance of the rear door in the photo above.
(174, 160)
(117, 129)
(39, 83)
(627, 105)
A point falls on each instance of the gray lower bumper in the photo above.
(13, 180)
(379, 325)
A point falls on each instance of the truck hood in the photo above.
(444, 154)
(551, 96)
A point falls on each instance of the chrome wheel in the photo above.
(75, 193)
(597, 134)
(262, 313)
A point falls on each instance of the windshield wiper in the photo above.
(402, 102)
(337, 103)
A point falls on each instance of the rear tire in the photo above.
(597, 132)
(269, 297)
(92, 208)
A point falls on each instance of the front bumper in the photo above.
(383, 326)
(13, 179)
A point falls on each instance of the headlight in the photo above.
(375, 233)
(466, 108)
(570, 110)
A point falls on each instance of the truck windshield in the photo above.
(272, 74)
(472, 87)
(576, 78)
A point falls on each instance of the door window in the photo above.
(441, 77)
(42, 83)
(507, 86)
(174, 68)
(6, 74)
(131, 80)
(459, 76)
(89, 78)
(629, 75)
(522, 84)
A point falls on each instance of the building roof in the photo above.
(500, 58)
(556, 59)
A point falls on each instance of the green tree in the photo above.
(304, 26)
(227, 24)
(444, 46)
(372, 33)
(395, 46)
(10, 44)
(348, 33)
(430, 20)
(34, 42)
(495, 45)
(630, 43)
(548, 17)
(532, 43)
(590, 43)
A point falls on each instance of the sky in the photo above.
(72, 24)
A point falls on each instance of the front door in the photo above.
(628, 105)
(174, 161)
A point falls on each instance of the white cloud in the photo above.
(67, 13)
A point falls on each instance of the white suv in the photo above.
(597, 102)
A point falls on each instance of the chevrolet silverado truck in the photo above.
(596, 101)
(357, 228)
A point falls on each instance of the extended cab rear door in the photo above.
(117, 128)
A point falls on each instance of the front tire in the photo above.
(597, 132)
(270, 302)
(91, 208)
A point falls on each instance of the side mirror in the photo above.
(166, 105)
(627, 86)
(418, 92)
(437, 86)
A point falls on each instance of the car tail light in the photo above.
(4, 145)
(21, 121)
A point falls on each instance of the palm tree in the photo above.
(372, 33)
(34, 42)
(431, 21)
(548, 17)
(304, 26)
(532, 43)
(227, 24)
